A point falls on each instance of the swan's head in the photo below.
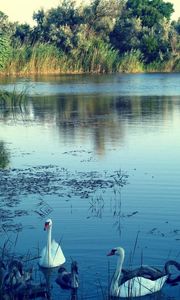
(47, 224)
(61, 270)
(117, 251)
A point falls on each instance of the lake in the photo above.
(100, 156)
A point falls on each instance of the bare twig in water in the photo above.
(135, 245)
(43, 209)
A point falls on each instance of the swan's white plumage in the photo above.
(139, 286)
(133, 287)
(51, 255)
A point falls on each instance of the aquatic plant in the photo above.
(40, 58)
(14, 103)
(172, 64)
(93, 55)
(16, 280)
(131, 62)
(12, 99)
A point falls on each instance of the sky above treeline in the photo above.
(22, 10)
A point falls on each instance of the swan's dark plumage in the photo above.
(2, 265)
(149, 272)
(143, 271)
(169, 264)
(68, 280)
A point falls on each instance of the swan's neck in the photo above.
(74, 280)
(115, 285)
(49, 244)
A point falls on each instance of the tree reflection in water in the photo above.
(102, 118)
(4, 156)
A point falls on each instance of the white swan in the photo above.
(139, 282)
(51, 255)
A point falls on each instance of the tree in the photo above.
(101, 15)
(22, 34)
(127, 34)
(3, 22)
(58, 25)
(144, 25)
(66, 14)
(38, 34)
(176, 25)
(175, 37)
(6, 28)
(150, 11)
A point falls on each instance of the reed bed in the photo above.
(172, 65)
(95, 56)
(131, 62)
(34, 60)
(90, 56)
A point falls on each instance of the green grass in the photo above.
(95, 56)
(92, 55)
(171, 65)
(131, 62)
(33, 60)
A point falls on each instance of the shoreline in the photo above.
(27, 74)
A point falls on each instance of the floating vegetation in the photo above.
(165, 232)
(51, 180)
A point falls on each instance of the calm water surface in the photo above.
(68, 146)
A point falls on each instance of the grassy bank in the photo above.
(93, 56)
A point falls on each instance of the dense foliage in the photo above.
(104, 36)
